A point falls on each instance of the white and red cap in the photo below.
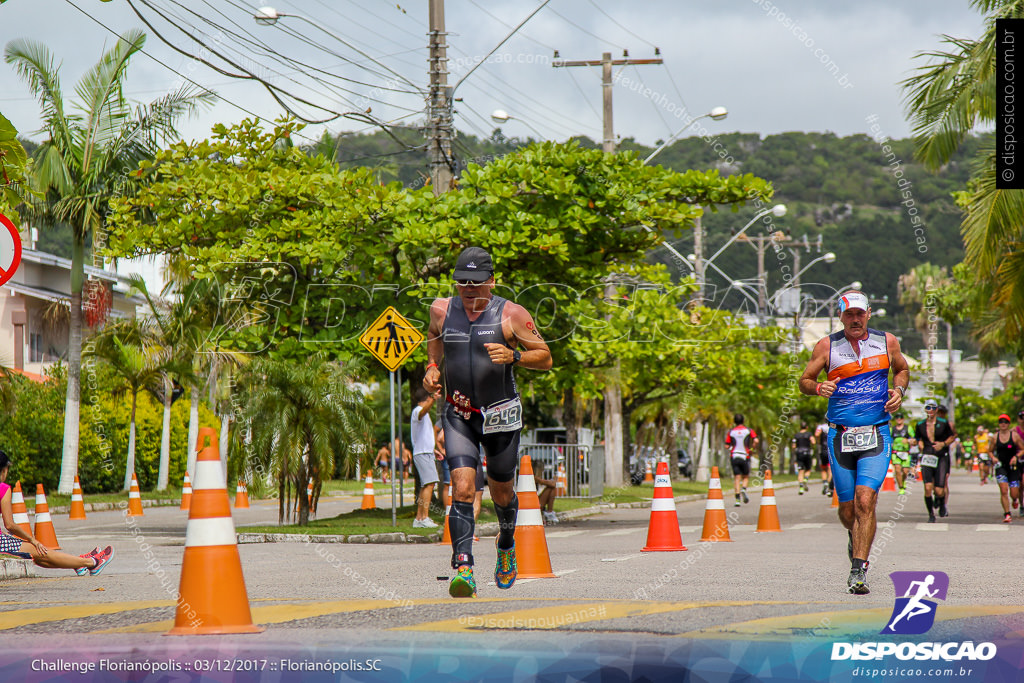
(853, 300)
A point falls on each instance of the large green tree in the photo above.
(93, 144)
(947, 99)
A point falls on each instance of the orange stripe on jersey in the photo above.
(869, 364)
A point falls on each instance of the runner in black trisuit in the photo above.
(1008, 448)
(475, 334)
(933, 435)
(803, 446)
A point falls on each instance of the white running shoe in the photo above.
(425, 523)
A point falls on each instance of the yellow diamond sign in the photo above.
(391, 338)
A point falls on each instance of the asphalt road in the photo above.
(609, 596)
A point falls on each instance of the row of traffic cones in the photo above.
(663, 529)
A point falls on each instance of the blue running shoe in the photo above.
(505, 570)
(463, 585)
(102, 560)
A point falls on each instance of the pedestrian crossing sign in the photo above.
(391, 338)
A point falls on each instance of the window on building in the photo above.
(35, 341)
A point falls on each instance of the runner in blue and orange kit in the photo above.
(857, 361)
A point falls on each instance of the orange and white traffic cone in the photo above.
(561, 483)
(716, 525)
(204, 434)
(919, 477)
(446, 537)
(663, 529)
(369, 502)
(648, 475)
(889, 483)
(532, 559)
(19, 511)
(44, 523)
(975, 465)
(213, 599)
(241, 496)
(186, 493)
(77, 503)
(135, 499)
(768, 515)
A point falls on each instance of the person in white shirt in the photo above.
(422, 431)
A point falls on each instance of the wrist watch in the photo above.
(516, 356)
(903, 390)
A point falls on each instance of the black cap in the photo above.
(474, 264)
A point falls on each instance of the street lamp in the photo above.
(718, 113)
(502, 116)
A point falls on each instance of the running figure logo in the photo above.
(913, 613)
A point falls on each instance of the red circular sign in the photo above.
(10, 249)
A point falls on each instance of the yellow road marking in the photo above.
(278, 614)
(24, 617)
(563, 615)
(833, 624)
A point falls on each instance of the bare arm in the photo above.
(900, 374)
(809, 380)
(435, 346)
(520, 329)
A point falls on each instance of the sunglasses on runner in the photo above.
(931, 407)
(468, 283)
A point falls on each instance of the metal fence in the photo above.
(576, 459)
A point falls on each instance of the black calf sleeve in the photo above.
(507, 522)
(460, 527)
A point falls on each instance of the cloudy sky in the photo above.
(794, 65)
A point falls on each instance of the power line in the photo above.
(614, 21)
(657, 109)
(183, 76)
(592, 35)
(507, 25)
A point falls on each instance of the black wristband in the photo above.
(516, 356)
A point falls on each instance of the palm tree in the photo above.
(85, 162)
(298, 418)
(132, 352)
(946, 100)
(919, 290)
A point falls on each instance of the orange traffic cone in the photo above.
(975, 465)
(716, 526)
(20, 512)
(369, 502)
(768, 515)
(241, 496)
(531, 544)
(663, 529)
(648, 477)
(446, 537)
(77, 504)
(561, 483)
(919, 477)
(835, 498)
(135, 499)
(186, 493)
(44, 524)
(212, 588)
(206, 433)
(889, 483)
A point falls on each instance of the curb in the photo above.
(489, 529)
(99, 507)
(15, 568)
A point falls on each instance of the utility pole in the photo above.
(439, 105)
(616, 461)
(606, 63)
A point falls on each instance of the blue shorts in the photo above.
(867, 468)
